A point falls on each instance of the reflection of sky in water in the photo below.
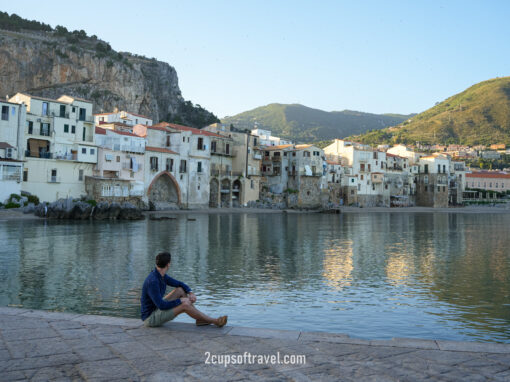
(369, 275)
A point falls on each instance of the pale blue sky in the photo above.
(372, 56)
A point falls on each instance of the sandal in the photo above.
(222, 321)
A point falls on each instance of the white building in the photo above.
(12, 121)
(266, 139)
(369, 165)
(118, 175)
(124, 117)
(59, 148)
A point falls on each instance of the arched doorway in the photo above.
(236, 193)
(226, 196)
(164, 192)
(214, 193)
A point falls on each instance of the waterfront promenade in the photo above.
(39, 345)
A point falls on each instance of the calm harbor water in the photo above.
(381, 275)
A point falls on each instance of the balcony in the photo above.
(276, 158)
(257, 156)
(11, 176)
(253, 172)
(67, 156)
(128, 166)
(60, 115)
(36, 154)
(53, 179)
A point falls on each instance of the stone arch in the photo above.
(214, 193)
(236, 193)
(226, 193)
(164, 191)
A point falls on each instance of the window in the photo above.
(438, 189)
(74, 109)
(200, 143)
(118, 158)
(352, 180)
(169, 164)
(294, 154)
(490, 184)
(62, 111)
(92, 151)
(426, 188)
(369, 168)
(30, 127)
(199, 167)
(5, 113)
(45, 129)
(227, 149)
(184, 139)
(254, 141)
(45, 110)
(251, 184)
(182, 167)
(131, 174)
(53, 176)
(375, 154)
(66, 128)
(73, 129)
(25, 175)
(84, 133)
(168, 141)
(83, 150)
(426, 179)
(213, 146)
(438, 168)
(83, 114)
(444, 169)
(362, 167)
(154, 163)
(188, 139)
(361, 177)
(80, 175)
(426, 169)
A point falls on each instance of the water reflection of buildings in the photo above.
(338, 266)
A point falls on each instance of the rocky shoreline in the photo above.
(83, 210)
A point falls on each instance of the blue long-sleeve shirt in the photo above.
(153, 292)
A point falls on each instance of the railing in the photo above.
(35, 154)
(276, 159)
(67, 156)
(53, 179)
(59, 115)
(237, 173)
(15, 177)
(128, 166)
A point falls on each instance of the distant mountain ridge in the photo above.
(478, 115)
(304, 124)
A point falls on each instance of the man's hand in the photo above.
(185, 301)
(192, 297)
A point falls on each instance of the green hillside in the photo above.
(304, 124)
(478, 115)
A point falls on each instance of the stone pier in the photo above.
(47, 346)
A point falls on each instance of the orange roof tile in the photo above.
(160, 150)
(488, 175)
(187, 128)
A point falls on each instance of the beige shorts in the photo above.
(159, 317)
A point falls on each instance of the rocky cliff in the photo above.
(48, 64)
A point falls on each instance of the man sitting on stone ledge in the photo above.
(156, 309)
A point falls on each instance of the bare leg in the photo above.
(189, 309)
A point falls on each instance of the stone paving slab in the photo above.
(52, 346)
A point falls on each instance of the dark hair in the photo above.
(162, 259)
